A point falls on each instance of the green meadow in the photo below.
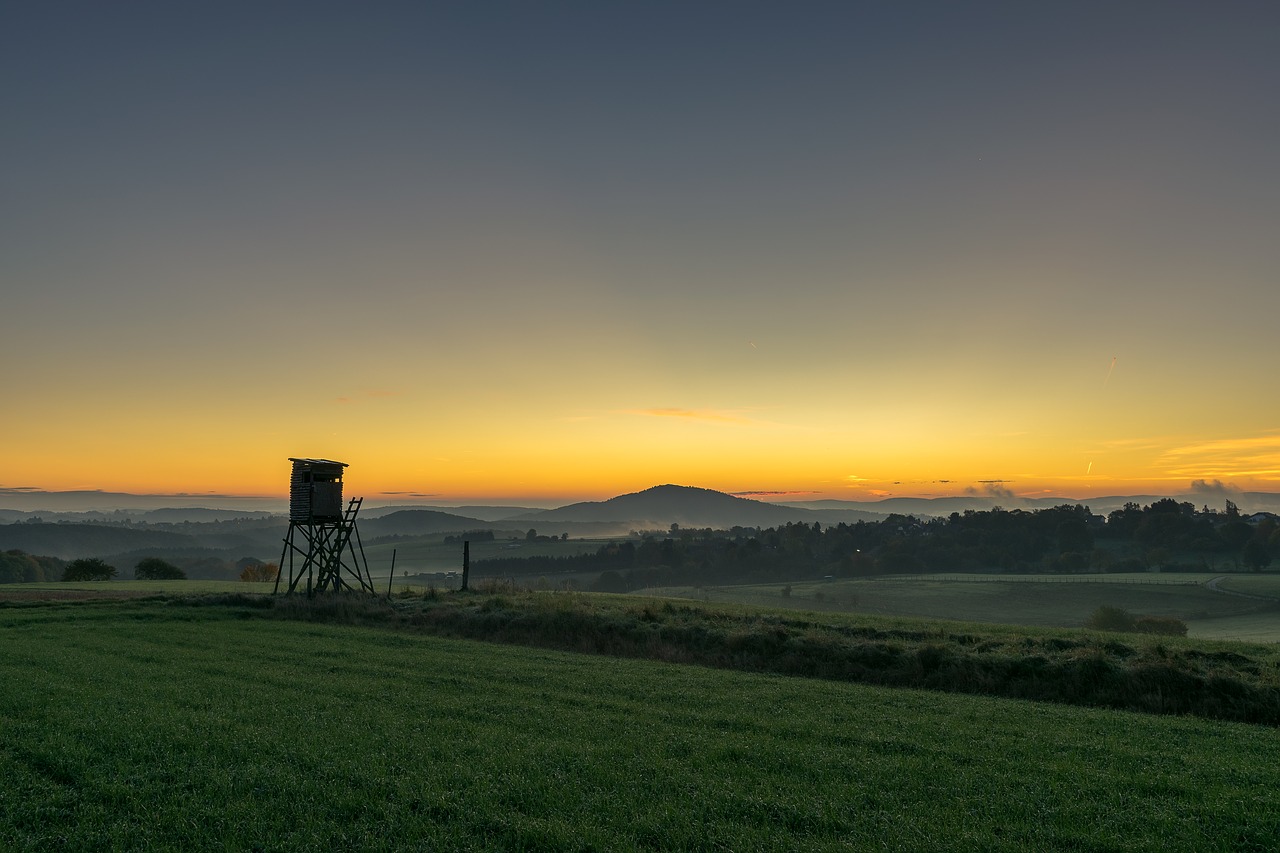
(1253, 613)
(172, 723)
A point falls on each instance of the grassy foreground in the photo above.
(147, 724)
(1227, 681)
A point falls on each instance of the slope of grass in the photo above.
(146, 725)
(1267, 586)
(1135, 672)
(1044, 600)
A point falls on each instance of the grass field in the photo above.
(1046, 600)
(149, 724)
(1033, 600)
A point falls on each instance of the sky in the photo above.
(545, 252)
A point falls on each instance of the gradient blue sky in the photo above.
(571, 250)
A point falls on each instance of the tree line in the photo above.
(1163, 536)
(17, 566)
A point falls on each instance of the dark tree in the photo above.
(1255, 554)
(156, 569)
(1235, 534)
(88, 569)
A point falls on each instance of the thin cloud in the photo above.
(372, 394)
(766, 493)
(706, 415)
(1131, 444)
(1224, 459)
(1269, 443)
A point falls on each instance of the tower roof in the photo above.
(307, 461)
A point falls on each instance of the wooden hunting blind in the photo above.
(315, 490)
(323, 544)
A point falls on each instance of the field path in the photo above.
(1213, 585)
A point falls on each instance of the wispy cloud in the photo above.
(364, 396)
(1224, 459)
(1267, 443)
(707, 415)
(768, 493)
(1130, 444)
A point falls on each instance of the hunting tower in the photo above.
(323, 544)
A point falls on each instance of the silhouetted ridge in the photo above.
(416, 522)
(688, 506)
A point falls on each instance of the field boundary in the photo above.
(1066, 579)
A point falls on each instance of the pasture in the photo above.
(131, 724)
(1245, 607)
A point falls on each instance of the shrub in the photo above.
(1164, 625)
(1111, 619)
(260, 572)
(494, 586)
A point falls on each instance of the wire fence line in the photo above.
(1094, 579)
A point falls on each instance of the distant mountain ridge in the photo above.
(419, 522)
(688, 506)
(1102, 505)
(36, 500)
(484, 513)
(654, 508)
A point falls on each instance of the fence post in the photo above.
(466, 563)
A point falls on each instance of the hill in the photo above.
(418, 522)
(661, 506)
(71, 541)
(484, 513)
(37, 500)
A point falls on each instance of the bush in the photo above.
(1111, 619)
(1117, 619)
(88, 569)
(1164, 625)
(260, 572)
